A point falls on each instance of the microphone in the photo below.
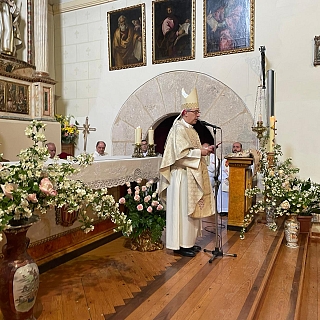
(205, 123)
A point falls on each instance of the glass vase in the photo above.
(291, 231)
(270, 217)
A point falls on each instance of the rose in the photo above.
(32, 197)
(129, 191)
(154, 203)
(139, 180)
(159, 207)
(149, 209)
(285, 205)
(8, 188)
(147, 198)
(137, 188)
(47, 187)
(140, 207)
(122, 200)
(144, 188)
(136, 192)
(136, 197)
(128, 184)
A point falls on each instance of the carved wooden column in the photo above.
(240, 179)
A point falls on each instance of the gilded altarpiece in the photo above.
(23, 94)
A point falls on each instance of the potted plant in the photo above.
(147, 216)
(282, 192)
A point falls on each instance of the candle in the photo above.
(151, 136)
(271, 133)
(138, 135)
(260, 117)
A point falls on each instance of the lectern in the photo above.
(240, 179)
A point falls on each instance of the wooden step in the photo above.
(281, 296)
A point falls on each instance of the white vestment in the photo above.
(181, 229)
(213, 167)
(223, 192)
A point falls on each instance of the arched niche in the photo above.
(160, 98)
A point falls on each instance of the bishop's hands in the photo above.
(207, 150)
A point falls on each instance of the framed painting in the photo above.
(228, 27)
(173, 30)
(316, 61)
(17, 98)
(127, 37)
(2, 96)
(46, 101)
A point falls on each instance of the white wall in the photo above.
(285, 27)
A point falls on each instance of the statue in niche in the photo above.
(10, 36)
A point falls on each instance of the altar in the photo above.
(50, 241)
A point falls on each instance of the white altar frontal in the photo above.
(115, 171)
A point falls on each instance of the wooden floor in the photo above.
(265, 281)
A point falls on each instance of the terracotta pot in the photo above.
(305, 223)
(65, 218)
(19, 274)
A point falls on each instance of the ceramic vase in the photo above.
(19, 273)
(291, 231)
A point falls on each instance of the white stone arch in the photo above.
(160, 97)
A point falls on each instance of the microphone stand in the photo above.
(217, 252)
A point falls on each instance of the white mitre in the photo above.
(190, 102)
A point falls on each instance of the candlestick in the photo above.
(138, 135)
(151, 136)
(271, 133)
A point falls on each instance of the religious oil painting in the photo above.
(127, 37)
(2, 96)
(228, 27)
(46, 101)
(316, 61)
(14, 98)
(173, 30)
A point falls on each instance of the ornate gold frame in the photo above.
(316, 61)
(248, 16)
(132, 13)
(186, 45)
(14, 97)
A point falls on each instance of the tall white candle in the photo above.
(151, 136)
(138, 135)
(271, 133)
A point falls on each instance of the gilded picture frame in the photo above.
(173, 30)
(228, 27)
(17, 98)
(127, 37)
(46, 101)
(316, 61)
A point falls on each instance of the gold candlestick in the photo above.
(151, 150)
(137, 152)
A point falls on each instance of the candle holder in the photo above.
(137, 152)
(260, 129)
(151, 150)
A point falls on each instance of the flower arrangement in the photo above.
(69, 132)
(145, 210)
(281, 190)
(31, 186)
